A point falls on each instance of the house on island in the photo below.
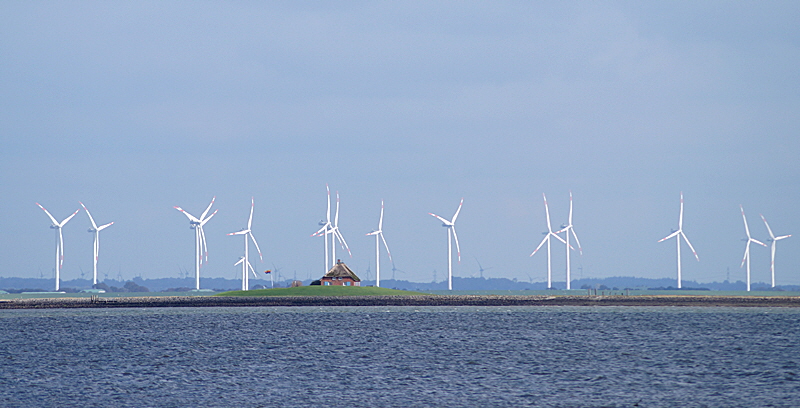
(340, 275)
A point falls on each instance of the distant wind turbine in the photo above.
(747, 247)
(679, 234)
(96, 230)
(248, 234)
(566, 229)
(549, 234)
(480, 267)
(199, 238)
(774, 239)
(451, 229)
(378, 233)
(59, 242)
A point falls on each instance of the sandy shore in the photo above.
(214, 301)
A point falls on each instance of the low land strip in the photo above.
(417, 300)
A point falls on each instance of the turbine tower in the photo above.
(547, 237)
(378, 233)
(96, 230)
(566, 229)
(679, 233)
(774, 239)
(248, 233)
(451, 228)
(200, 246)
(325, 230)
(59, 242)
(747, 247)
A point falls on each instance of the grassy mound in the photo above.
(318, 290)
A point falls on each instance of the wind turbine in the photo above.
(451, 228)
(679, 233)
(325, 230)
(549, 234)
(747, 247)
(337, 235)
(199, 238)
(378, 233)
(481, 268)
(247, 232)
(774, 239)
(96, 230)
(59, 242)
(566, 229)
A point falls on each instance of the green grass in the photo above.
(318, 290)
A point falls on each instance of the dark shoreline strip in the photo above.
(218, 301)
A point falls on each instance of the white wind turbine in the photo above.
(378, 233)
(199, 238)
(451, 228)
(59, 242)
(96, 230)
(679, 233)
(774, 239)
(747, 247)
(566, 229)
(547, 237)
(325, 230)
(247, 232)
(337, 235)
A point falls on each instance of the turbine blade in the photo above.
(685, 238)
(746, 229)
(768, 228)
(576, 239)
(380, 221)
(746, 253)
(189, 216)
(560, 239)
(48, 214)
(242, 232)
(455, 236)
(321, 230)
(547, 213)
(254, 241)
(203, 222)
(758, 242)
(670, 236)
(250, 220)
(446, 222)
(66, 220)
(102, 227)
(546, 237)
(458, 210)
(782, 237)
(89, 214)
(239, 261)
(680, 217)
(386, 246)
(342, 242)
(329, 204)
(336, 218)
(569, 220)
(203, 216)
(251, 269)
(61, 247)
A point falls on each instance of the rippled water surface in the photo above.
(401, 356)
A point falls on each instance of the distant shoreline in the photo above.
(432, 300)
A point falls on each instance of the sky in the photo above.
(136, 107)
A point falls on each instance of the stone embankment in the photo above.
(432, 300)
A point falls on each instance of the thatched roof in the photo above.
(340, 270)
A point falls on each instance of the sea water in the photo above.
(401, 357)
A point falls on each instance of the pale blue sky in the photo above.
(135, 107)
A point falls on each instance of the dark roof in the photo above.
(340, 270)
